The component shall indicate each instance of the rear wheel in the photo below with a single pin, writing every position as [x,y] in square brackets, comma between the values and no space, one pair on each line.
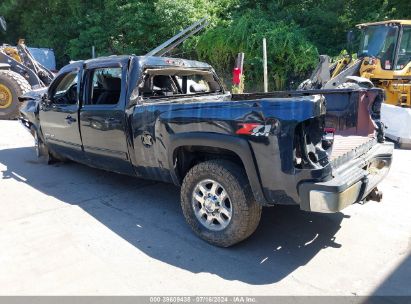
[12,85]
[218,203]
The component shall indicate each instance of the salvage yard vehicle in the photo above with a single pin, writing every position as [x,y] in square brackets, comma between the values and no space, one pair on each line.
[171,120]
[20,72]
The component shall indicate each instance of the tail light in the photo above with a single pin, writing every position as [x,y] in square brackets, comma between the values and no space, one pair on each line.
[310,142]
[328,138]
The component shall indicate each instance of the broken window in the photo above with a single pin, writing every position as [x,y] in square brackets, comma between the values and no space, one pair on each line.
[168,82]
[66,90]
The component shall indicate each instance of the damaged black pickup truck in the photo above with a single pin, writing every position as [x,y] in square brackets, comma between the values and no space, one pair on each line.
[171,120]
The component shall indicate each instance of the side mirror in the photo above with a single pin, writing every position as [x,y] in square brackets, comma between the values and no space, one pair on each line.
[3,24]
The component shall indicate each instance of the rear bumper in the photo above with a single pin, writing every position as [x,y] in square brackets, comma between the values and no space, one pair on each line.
[351,182]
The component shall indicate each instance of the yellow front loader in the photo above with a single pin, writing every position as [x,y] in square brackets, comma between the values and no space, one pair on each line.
[386,48]
[383,60]
[19,73]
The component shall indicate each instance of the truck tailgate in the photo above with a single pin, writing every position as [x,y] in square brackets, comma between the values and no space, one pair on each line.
[349,147]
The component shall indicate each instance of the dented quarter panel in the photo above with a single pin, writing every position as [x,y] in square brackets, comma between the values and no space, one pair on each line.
[272,154]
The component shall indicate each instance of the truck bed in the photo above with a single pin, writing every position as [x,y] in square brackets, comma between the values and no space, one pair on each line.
[349,147]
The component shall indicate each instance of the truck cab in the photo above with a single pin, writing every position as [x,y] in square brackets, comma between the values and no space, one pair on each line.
[386,47]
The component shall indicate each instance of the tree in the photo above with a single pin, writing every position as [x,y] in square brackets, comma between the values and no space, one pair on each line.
[295,29]
[290,55]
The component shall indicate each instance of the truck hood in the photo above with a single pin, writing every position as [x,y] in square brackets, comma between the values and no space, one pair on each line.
[33,95]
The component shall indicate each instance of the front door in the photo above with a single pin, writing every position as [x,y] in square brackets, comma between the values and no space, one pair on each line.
[102,118]
[59,115]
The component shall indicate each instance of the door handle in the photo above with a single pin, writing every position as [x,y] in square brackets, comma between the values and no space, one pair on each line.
[70,119]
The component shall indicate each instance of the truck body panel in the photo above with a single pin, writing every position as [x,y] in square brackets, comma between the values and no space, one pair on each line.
[278,138]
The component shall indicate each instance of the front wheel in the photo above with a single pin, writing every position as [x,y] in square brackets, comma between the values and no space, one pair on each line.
[218,203]
[39,147]
[42,151]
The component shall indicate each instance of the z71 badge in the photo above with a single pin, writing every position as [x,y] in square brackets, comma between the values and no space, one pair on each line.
[254,129]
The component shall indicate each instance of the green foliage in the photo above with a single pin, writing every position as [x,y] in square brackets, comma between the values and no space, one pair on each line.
[295,29]
[289,53]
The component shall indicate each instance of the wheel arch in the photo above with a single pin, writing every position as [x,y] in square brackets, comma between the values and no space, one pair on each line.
[188,149]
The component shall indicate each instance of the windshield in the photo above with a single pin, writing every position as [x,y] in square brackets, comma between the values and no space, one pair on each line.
[404,51]
[44,56]
[379,41]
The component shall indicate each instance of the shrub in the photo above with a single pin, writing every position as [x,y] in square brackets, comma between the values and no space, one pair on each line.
[290,55]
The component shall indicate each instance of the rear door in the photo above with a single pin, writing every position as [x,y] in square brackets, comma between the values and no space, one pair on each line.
[102,116]
[59,114]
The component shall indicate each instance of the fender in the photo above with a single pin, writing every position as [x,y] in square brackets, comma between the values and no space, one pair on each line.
[234,144]
[31,127]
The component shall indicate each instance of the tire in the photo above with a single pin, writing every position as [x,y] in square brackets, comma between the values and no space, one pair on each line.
[239,217]
[42,151]
[12,85]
